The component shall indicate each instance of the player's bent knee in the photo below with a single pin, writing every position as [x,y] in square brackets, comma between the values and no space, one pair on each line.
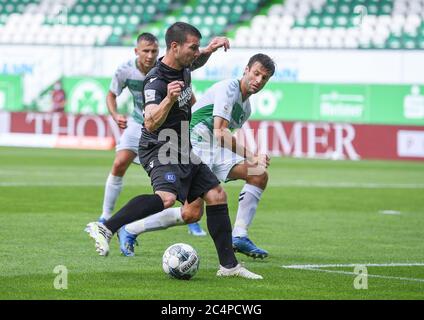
[258,180]
[216,195]
[167,198]
[191,214]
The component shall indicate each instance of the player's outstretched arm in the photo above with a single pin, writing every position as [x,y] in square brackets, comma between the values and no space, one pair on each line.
[215,44]
[112,106]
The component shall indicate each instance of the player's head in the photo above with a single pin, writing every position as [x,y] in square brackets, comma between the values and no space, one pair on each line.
[147,51]
[183,42]
[258,71]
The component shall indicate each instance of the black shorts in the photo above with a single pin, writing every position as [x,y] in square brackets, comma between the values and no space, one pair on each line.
[187,181]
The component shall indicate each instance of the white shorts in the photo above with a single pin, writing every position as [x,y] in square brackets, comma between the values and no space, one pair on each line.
[220,160]
[130,138]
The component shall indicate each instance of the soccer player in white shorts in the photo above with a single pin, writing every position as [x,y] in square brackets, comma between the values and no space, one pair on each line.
[224,107]
[131,75]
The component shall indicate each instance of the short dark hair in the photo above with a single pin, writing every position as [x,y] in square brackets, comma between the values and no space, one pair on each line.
[264,60]
[146,36]
[178,33]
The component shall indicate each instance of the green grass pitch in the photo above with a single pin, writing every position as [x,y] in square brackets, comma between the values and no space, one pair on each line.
[325,217]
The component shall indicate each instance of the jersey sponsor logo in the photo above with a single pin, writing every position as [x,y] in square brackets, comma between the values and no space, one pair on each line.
[170,177]
[184,98]
[149,95]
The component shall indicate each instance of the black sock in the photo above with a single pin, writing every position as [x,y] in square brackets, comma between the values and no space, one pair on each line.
[137,208]
[219,226]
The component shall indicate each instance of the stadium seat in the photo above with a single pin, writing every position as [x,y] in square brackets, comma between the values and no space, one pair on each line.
[381,25]
[386,24]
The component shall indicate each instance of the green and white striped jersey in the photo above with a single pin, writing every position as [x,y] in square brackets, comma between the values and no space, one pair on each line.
[224,100]
[128,75]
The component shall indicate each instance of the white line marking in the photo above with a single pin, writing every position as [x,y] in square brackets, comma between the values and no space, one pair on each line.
[314,266]
[390,212]
[317,267]
[368,275]
[366,185]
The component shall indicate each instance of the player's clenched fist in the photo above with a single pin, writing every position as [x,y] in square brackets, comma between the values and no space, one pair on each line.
[174,90]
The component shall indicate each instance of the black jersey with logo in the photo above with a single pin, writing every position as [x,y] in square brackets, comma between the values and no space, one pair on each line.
[155,89]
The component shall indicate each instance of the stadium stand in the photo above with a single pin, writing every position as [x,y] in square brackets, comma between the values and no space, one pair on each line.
[77,22]
[352,24]
[338,24]
[211,17]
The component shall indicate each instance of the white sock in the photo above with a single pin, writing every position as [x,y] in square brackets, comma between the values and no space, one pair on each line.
[112,190]
[248,202]
[159,221]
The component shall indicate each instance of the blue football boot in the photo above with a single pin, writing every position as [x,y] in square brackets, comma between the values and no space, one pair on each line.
[196,230]
[127,241]
[246,246]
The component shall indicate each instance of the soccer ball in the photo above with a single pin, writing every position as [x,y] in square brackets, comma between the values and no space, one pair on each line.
[180,261]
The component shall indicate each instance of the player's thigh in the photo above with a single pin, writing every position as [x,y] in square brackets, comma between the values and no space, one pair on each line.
[246,171]
[130,138]
[202,181]
[224,161]
[215,196]
[203,149]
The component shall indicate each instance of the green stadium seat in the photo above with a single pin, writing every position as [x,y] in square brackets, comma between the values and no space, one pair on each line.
[73,19]
[126,9]
[114,9]
[122,19]
[118,31]
[385,9]
[97,19]
[139,9]
[109,20]
[344,9]
[78,9]
[394,43]
[409,42]
[313,20]
[91,9]
[327,21]
[341,21]
[86,19]
[103,9]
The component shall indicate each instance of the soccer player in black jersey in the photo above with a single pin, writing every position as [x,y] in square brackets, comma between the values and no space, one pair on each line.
[175,173]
